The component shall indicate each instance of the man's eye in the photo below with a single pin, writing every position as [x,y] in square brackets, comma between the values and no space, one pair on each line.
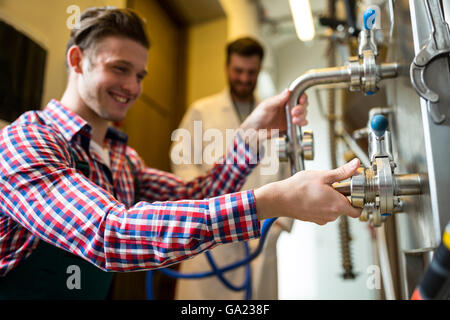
[120,69]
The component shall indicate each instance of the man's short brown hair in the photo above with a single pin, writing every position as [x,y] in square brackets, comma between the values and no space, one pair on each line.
[245,47]
[98,23]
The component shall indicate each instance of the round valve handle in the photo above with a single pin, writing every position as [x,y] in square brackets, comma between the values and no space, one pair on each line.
[369,17]
[379,124]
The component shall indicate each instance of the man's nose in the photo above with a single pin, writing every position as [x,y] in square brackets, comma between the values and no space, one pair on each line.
[131,86]
[245,77]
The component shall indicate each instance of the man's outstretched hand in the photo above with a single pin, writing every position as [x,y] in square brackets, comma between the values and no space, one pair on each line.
[307,196]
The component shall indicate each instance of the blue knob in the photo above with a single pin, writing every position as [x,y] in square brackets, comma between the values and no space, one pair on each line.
[369,17]
[379,124]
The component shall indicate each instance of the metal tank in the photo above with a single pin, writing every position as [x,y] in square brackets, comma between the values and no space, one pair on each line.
[404,185]
[421,132]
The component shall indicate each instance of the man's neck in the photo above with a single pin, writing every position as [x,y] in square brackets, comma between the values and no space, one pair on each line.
[99,126]
[238,99]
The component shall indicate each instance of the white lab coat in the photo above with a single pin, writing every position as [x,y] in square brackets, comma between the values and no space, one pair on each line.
[218,112]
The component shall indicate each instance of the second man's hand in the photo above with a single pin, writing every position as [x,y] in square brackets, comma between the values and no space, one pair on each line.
[270,114]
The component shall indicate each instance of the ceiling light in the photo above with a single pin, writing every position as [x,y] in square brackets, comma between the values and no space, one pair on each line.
[303,20]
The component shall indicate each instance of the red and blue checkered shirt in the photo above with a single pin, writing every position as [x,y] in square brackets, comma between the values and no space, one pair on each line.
[44,197]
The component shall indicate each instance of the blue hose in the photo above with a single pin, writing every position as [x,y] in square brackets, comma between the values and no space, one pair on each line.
[220,275]
[248,276]
[219,271]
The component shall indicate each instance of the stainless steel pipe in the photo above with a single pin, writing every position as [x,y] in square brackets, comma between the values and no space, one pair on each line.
[408,184]
[353,73]
[404,185]
[343,187]
[298,87]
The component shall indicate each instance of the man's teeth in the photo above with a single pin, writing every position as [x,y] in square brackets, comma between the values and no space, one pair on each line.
[119,98]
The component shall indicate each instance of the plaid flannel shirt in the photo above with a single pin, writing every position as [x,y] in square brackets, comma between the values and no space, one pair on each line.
[44,197]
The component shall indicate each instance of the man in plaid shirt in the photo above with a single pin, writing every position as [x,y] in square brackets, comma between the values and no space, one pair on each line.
[68,181]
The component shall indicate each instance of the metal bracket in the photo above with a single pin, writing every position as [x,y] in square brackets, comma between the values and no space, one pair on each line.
[437,45]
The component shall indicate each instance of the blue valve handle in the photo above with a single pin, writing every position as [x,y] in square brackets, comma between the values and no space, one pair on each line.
[369,17]
[379,124]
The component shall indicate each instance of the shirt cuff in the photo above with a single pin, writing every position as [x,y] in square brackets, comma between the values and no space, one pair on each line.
[233,217]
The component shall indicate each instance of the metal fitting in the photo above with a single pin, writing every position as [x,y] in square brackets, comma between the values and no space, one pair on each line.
[380,147]
[360,74]
[377,193]
[307,145]
[369,78]
[367,42]
[283,149]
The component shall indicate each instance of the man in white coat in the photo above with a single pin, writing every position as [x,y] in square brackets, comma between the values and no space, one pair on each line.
[222,111]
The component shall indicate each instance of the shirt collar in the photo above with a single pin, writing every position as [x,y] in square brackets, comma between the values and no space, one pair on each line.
[70,124]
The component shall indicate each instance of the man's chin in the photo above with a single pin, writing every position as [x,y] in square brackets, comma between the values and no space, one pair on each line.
[243,94]
[118,119]
[114,117]
[116,114]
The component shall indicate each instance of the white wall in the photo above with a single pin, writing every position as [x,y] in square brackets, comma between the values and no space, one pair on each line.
[309,259]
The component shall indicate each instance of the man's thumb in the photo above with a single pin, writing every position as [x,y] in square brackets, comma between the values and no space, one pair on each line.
[281,97]
[343,172]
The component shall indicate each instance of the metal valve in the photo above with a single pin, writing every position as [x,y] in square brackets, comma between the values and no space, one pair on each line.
[365,62]
[361,73]
[306,149]
[307,145]
[377,189]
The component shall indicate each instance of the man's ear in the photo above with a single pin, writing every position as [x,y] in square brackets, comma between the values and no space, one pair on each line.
[74,59]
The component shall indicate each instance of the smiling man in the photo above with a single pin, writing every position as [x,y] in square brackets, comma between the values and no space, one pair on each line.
[106,68]
[79,204]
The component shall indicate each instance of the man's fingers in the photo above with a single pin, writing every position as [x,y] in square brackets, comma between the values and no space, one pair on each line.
[298,111]
[349,210]
[278,101]
[298,114]
[343,172]
[355,212]
[345,207]
[303,99]
[281,98]
[301,122]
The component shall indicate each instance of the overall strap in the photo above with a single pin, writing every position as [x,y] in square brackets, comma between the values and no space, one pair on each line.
[137,184]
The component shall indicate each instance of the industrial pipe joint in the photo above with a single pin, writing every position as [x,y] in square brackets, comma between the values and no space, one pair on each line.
[361,73]
[377,189]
